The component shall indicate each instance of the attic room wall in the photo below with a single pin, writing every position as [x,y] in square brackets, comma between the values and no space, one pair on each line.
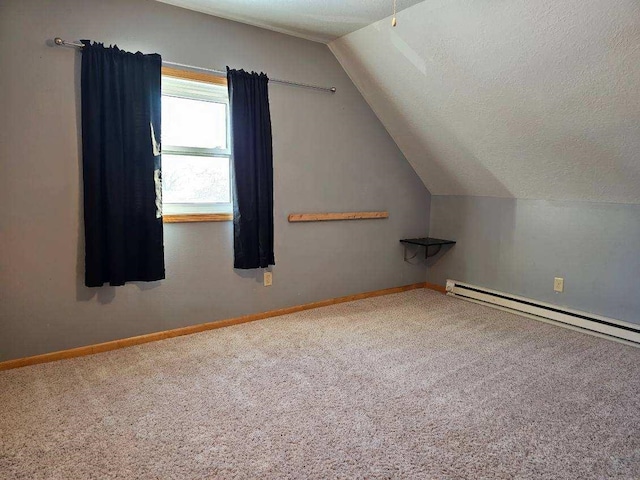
[523,120]
[330,154]
[519,245]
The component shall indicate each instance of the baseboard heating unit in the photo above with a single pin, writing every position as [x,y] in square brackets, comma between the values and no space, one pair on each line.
[624,332]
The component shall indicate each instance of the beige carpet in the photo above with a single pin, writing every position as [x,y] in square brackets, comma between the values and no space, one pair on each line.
[413,385]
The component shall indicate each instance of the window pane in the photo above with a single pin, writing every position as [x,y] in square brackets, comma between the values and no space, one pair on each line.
[190,179]
[193,123]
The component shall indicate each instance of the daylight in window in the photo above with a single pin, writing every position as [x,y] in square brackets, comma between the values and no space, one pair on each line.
[195,147]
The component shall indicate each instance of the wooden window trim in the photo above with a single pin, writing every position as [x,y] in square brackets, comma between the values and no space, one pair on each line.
[198,217]
[191,75]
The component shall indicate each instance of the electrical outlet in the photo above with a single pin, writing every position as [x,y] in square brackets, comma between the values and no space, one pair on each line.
[268,279]
[558,284]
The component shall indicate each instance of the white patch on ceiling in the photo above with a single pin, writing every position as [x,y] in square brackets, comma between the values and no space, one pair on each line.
[317,20]
[518,98]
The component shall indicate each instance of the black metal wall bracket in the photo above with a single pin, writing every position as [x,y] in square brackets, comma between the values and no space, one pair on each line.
[426,242]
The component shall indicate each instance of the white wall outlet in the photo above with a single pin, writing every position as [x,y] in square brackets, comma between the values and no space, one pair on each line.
[558,284]
[268,279]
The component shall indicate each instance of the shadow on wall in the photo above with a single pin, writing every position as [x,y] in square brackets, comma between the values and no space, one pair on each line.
[484,230]
[435,258]
[416,255]
[437,167]
[257,274]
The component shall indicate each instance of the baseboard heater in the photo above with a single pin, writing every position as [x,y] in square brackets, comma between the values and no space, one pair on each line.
[625,332]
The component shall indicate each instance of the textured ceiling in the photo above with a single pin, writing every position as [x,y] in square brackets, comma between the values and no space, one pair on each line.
[518,98]
[318,20]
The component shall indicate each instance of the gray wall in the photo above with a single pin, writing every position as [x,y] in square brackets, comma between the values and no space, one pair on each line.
[330,154]
[519,246]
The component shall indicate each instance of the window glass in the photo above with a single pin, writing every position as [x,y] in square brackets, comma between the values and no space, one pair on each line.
[195,146]
[194,123]
[195,179]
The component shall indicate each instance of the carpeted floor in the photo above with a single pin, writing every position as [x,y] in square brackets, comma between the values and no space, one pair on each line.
[413,385]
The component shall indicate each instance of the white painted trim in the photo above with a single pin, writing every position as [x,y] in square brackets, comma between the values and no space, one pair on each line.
[487,297]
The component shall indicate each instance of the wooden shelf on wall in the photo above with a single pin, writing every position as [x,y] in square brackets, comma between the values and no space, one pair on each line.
[325,217]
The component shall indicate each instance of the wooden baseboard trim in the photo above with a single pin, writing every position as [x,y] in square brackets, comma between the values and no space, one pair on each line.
[176,332]
[437,288]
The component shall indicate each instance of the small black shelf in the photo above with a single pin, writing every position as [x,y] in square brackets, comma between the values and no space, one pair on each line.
[427,242]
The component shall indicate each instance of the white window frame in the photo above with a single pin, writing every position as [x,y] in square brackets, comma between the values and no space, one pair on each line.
[197,86]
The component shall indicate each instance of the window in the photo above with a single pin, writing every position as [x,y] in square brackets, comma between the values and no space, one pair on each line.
[195,146]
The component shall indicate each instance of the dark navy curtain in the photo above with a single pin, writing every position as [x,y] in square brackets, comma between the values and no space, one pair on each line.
[252,159]
[121,166]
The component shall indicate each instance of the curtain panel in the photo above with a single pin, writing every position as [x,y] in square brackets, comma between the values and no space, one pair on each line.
[121,161]
[252,171]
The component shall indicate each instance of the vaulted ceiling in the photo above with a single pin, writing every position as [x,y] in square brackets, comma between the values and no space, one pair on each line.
[318,20]
[518,98]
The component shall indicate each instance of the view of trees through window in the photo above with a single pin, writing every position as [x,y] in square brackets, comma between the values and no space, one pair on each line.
[190,179]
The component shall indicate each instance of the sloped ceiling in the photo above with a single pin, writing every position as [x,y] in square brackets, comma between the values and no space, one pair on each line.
[519,98]
[318,20]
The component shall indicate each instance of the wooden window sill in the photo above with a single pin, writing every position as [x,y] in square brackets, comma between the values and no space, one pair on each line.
[198,217]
